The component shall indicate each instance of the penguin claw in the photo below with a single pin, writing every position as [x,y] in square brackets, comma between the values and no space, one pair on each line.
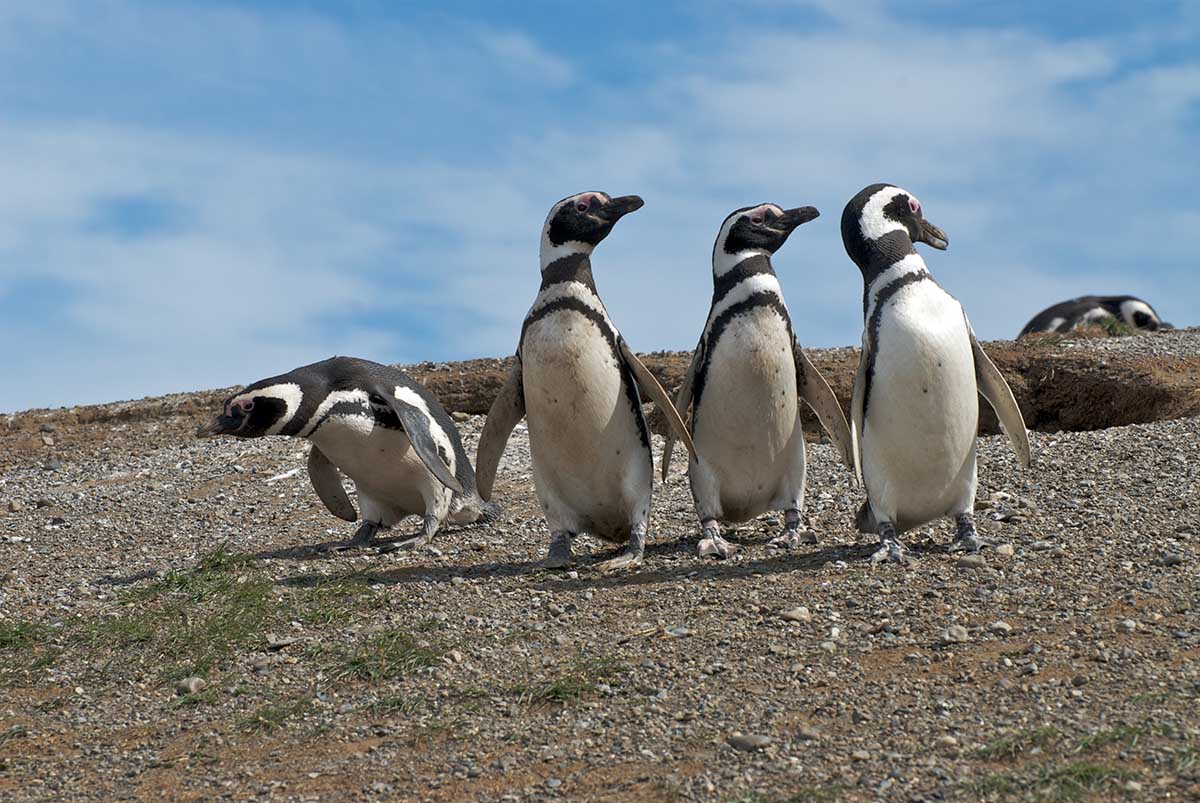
[892,551]
[626,560]
[970,544]
[792,539]
[414,543]
[715,546]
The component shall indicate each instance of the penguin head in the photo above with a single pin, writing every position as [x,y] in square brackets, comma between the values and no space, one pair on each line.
[758,229]
[1136,313]
[577,224]
[883,212]
[264,408]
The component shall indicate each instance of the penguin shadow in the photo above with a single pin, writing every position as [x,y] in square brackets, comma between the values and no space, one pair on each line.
[411,575]
[328,550]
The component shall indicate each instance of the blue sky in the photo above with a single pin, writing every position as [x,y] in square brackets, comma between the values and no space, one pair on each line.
[201,194]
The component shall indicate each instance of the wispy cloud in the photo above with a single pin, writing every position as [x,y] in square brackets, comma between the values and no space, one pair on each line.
[200,194]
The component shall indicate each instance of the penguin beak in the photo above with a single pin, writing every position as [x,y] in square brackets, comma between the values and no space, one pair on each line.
[221,425]
[618,208]
[932,235]
[789,220]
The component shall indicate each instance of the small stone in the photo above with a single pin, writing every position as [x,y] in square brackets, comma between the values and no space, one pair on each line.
[278,643]
[1030,668]
[678,631]
[971,562]
[1041,546]
[749,742]
[47,440]
[1132,786]
[955,634]
[460,416]
[860,755]
[192,685]
[553,783]
[947,743]
[800,614]
[1005,550]
[1170,559]
[1000,628]
[828,646]
[47,427]
[1057,552]
[458,580]
[858,717]
[53,465]
[809,734]
[1079,680]
[16,506]
[1128,625]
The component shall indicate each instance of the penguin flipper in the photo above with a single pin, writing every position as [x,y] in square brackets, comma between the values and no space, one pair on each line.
[416,427]
[683,400]
[999,395]
[506,412]
[654,390]
[819,396]
[856,408]
[327,482]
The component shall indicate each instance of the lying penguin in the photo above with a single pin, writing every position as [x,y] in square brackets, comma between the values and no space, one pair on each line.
[1066,315]
[377,426]
[915,409]
[745,383]
[579,385]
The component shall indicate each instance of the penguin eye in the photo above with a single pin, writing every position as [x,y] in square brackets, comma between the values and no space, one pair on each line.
[581,206]
[757,220]
[246,405]
[914,205]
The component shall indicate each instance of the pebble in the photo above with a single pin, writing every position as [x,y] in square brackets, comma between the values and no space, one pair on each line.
[1005,550]
[47,427]
[16,506]
[553,783]
[1133,786]
[460,416]
[749,742]
[1170,559]
[1000,628]
[192,685]
[1128,625]
[1030,668]
[458,580]
[971,562]
[955,634]
[860,755]
[800,614]
[1079,680]
[947,743]
[809,733]
[1041,546]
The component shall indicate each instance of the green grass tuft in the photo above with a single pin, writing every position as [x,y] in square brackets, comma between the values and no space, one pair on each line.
[1011,746]
[386,655]
[273,716]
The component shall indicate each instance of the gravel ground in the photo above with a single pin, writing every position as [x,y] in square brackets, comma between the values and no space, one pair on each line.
[166,631]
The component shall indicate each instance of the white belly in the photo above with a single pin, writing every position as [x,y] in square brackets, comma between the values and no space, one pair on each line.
[746,427]
[592,472]
[382,464]
[923,409]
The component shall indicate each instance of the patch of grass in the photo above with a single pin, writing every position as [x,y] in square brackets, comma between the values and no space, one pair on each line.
[335,600]
[1011,746]
[1055,783]
[272,716]
[1127,735]
[13,732]
[579,681]
[403,704]
[1114,328]
[26,649]
[188,622]
[390,654]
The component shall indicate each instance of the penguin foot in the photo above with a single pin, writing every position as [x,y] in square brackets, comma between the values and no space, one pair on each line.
[970,543]
[792,538]
[891,550]
[416,542]
[362,537]
[629,559]
[715,546]
[559,556]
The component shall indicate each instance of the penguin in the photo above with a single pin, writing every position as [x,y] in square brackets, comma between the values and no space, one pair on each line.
[915,408]
[1066,315]
[580,386]
[374,424]
[744,385]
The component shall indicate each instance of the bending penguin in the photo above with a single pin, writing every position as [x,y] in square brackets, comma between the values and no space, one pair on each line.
[579,385]
[915,409]
[745,382]
[376,425]
[1066,315]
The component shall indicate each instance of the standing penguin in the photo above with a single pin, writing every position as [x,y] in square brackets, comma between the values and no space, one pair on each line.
[915,410]
[380,428]
[579,384]
[746,380]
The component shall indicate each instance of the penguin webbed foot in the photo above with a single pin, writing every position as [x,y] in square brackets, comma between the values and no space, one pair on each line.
[792,536]
[631,557]
[967,537]
[713,544]
[890,548]
[559,556]
[429,528]
[363,536]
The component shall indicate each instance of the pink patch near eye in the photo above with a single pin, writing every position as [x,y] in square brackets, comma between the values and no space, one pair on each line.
[914,205]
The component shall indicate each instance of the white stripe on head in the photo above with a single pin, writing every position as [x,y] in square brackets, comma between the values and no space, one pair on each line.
[287,392]
[758,283]
[1132,306]
[723,261]
[327,405]
[549,252]
[410,396]
[872,222]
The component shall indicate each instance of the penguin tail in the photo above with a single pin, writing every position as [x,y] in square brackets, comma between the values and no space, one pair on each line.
[865,520]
